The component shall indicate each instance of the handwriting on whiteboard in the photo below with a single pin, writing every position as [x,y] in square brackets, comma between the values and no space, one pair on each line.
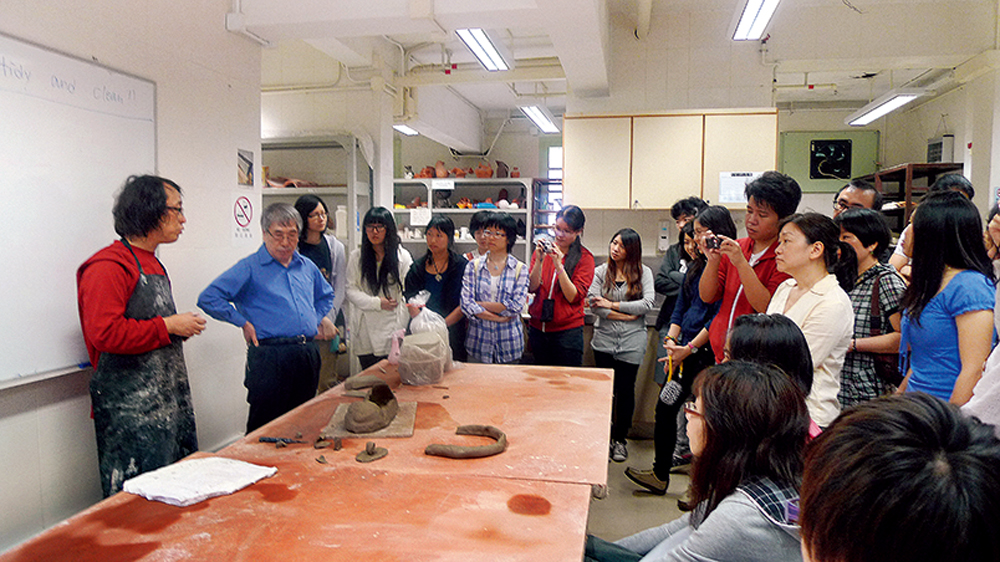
[36,72]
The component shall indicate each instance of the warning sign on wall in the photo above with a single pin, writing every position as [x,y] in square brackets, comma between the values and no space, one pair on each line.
[242,219]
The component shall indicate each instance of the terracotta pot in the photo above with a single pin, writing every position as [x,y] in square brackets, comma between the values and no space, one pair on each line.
[440,170]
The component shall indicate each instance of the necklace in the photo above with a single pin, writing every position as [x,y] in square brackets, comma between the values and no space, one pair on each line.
[438,271]
[496,267]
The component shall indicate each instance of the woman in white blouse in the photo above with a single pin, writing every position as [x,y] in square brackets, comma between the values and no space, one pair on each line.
[375,274]
[823,269]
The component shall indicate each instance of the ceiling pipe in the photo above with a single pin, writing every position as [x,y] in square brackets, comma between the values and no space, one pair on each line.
[645,14]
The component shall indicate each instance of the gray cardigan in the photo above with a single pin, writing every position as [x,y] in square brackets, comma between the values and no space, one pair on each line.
[625,340]
[738,530]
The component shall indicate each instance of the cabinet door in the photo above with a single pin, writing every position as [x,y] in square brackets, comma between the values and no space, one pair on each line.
[666,159]
[738,143]
[596,157]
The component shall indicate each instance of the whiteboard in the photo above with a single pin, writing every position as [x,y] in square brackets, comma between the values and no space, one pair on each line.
[71,131]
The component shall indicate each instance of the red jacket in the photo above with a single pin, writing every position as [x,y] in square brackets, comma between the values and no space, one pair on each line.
[567,315]
[104,285]
[729,280]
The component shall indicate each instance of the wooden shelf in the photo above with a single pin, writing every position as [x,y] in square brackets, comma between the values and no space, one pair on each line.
[903,176]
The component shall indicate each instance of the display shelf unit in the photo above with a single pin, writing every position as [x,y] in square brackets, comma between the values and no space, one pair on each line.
[442,194]
[335,160]
[897,185]
[548,200]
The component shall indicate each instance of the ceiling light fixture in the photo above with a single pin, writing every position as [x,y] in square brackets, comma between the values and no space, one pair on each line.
[756,15]
[887,103]
[406,130]
[479,43]
[541,117]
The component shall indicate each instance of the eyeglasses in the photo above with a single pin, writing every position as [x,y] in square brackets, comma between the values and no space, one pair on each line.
[375,227]
[178,210]
[560,232]
[291,236]
[494,234]
[691,409]
[844,205]
[319,215]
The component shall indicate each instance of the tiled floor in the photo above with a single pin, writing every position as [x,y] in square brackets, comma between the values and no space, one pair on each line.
[628,508]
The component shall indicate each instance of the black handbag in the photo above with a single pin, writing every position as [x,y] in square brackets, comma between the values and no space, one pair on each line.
[886,364]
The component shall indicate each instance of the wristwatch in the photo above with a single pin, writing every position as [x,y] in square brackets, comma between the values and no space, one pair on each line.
[692,348]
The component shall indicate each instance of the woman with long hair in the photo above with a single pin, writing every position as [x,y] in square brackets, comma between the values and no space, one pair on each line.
[879,288]
[687,347]
[948,308]
[440,272]
[822,268]
[375,274]
[561,273]
[747,427]
[620,295]
[324,250]
[494,291]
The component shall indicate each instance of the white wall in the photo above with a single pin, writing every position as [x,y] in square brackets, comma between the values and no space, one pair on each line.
[208,106]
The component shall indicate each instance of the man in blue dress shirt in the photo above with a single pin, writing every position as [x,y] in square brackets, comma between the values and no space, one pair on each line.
[280,300]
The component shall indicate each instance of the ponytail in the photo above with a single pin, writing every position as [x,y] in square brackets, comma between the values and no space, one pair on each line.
[845,268]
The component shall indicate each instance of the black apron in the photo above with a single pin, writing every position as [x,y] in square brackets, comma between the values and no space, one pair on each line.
[142,403]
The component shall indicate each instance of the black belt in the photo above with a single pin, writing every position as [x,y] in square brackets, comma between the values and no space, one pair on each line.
[297,340]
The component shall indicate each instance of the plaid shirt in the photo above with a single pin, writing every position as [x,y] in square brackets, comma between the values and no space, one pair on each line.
[487,341]
[858,381]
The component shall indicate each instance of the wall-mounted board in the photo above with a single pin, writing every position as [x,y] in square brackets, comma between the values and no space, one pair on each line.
[71,131]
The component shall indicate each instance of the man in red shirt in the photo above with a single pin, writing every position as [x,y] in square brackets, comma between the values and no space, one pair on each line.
[742,272]
[140,394]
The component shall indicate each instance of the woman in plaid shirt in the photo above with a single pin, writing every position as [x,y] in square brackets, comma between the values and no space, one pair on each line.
[494,291]
[865,230]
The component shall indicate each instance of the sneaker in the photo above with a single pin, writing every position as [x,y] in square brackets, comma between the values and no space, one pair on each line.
[681,464]
[648,480]
[684,502]
[619,452]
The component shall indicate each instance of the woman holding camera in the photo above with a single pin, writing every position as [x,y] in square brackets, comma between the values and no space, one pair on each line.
[621,294]
[561,273]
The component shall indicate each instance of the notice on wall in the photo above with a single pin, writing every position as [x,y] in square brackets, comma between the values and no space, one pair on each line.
[242,217]
[733,184]
[420,216]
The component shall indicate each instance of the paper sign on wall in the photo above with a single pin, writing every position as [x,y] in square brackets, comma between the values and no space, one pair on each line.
[420,216]
[733,184]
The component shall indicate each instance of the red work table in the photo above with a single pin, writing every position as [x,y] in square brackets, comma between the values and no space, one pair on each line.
[528,503]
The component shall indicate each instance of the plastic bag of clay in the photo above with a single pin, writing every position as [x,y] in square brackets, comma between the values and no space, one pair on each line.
[423,358]
[396,339]
[427,320]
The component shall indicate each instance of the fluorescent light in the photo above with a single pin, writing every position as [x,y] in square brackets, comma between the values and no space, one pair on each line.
[756,15]
[481,46]
[883,105]
[406,130]
[541,117]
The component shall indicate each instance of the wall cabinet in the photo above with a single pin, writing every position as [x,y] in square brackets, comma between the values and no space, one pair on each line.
[666,159]
[596,162]
[738,143]
[651,161]
[442,197]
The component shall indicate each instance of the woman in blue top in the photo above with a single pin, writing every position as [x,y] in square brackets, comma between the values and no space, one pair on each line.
[686,344]
[948,307]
